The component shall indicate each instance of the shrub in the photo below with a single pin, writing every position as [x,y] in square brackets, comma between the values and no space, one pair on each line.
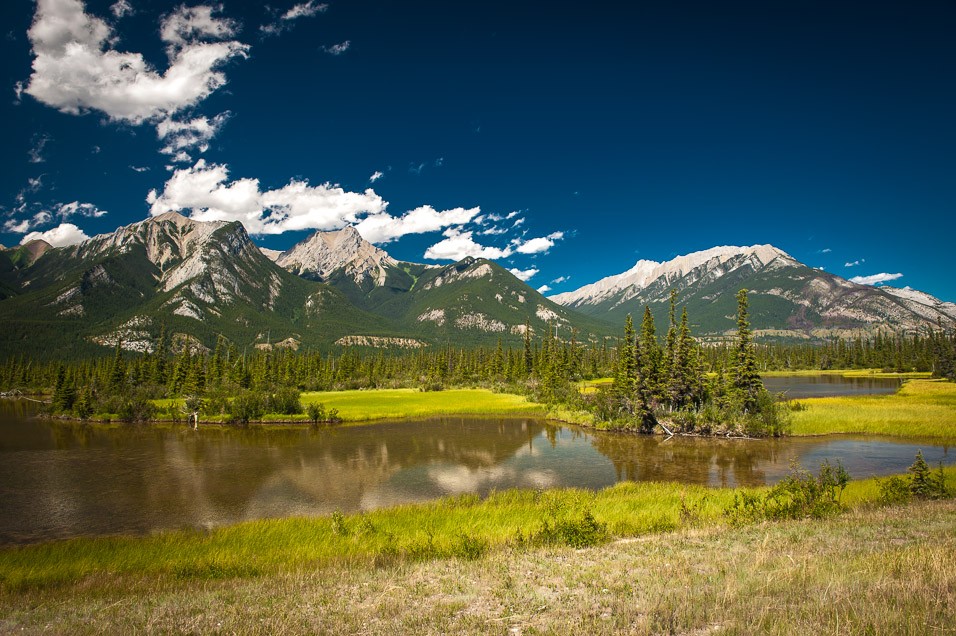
[316,412]
[925,484]
[285,401]
[799,495]
[246,406]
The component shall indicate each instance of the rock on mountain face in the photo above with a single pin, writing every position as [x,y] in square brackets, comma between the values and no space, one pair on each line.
[326,252]
[200,279]
[787,298]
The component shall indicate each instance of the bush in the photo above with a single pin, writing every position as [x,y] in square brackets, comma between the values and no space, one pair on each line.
[316,412]
[925,484]
[894,490]
[247,406]
[578,533]
[800,495]
[285,401]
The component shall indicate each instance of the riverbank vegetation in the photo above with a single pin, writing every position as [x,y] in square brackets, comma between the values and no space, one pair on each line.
[668,383]
[534,540]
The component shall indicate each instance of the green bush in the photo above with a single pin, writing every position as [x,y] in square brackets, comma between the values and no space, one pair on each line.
[247,406]
[285,401]
[799,495]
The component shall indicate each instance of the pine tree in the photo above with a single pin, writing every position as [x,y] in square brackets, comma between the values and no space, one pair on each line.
[745,379]
[625,378]
[650,371]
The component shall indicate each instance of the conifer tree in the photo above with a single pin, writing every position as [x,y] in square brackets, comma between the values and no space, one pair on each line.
[650,371]
[745,380]
[625,378]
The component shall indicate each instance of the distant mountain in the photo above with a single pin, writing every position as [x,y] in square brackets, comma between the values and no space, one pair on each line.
[787,298]
[205,279]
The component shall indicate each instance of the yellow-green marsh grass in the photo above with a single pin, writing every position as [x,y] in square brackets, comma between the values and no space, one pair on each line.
[921,408]
[439,529]
[357,406]
[377,404]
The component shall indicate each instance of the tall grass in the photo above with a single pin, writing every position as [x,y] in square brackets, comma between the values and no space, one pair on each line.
[357,406]
[921,408]
[464,526]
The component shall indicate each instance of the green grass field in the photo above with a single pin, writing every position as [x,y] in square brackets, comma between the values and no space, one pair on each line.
[359,406]
[921,408]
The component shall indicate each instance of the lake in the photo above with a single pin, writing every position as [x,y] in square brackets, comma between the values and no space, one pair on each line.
[61,480]
[802,386]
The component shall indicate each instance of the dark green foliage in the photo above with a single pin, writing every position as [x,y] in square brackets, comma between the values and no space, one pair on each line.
[745,380]
[579,532]
[316,412]
[925,484]
[285,401]
[247,406]
[800,495]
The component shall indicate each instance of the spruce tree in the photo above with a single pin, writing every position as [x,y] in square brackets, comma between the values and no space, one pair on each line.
[745,379]
[625,378]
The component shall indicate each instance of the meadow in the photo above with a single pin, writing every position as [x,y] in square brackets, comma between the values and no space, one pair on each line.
[921,408]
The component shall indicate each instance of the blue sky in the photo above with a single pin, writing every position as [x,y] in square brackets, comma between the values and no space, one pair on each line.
[564,140]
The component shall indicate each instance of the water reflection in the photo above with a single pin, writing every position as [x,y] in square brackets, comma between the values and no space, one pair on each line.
[63,479]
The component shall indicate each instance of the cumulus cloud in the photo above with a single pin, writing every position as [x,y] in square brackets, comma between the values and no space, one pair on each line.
[378,174]
[205,190]
[76,69]
[458,244]
[194,134]
[337,49]
[17,227]
[384,228]
[875,279]
[544,289]
[560,279]
[523,274]
[60,236]
[854,263]
[284,23]
[539,245]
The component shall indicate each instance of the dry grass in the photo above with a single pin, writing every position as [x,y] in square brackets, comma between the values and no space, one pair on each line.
[870,571]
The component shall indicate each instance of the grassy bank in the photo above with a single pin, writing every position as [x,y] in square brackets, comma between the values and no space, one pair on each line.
[921,408]
[377,404]
[359,406]
[868,571]
[460,526]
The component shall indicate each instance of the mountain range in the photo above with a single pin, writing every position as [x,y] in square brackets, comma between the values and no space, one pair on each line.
[203,280]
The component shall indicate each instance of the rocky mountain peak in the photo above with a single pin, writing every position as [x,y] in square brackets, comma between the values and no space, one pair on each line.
[646,272]
[326,252]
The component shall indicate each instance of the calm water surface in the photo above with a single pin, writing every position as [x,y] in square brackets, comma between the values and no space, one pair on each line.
[63,479]
[796,387]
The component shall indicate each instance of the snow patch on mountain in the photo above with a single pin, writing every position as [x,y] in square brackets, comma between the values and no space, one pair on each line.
[646,272]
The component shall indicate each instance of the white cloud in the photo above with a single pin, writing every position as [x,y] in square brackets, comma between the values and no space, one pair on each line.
[194,134]
[17,227]
[185,25]
[544,289]
[75,68]
[560,279]
[494,231]
[60,236]
[378,174]
[383,227]
[458,244]
[39,145]
[284,23]
[539,245]
[853,263]
[121,9]
[523,274]
[825,250]
[205,191]
[875,279]
[337,49]
[305,10]
[17,92]
[66,210]
[139,168]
